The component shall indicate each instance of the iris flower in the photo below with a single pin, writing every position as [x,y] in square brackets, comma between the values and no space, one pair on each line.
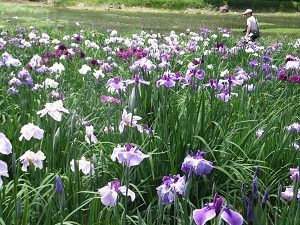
[129,155]
[34,158]
[85,166]
[5,145]
[105,98]
[167,80]
[129,120]
[30,130]
[137,80]
[90,137]
[294,173]
[211,210]
[225,96]
[54,109]
[197,164]
[110,192]
[288,194]
[171,184]
[259,132]
[3,171]
[5,148]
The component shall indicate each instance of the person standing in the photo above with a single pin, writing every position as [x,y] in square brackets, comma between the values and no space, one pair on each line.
[252,25]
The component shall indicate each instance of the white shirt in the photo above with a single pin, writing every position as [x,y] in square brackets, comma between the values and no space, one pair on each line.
[252,22]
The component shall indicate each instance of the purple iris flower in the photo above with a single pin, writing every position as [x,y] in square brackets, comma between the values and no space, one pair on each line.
[105,98]
[294,173]
[213,84]
[58,185]
[249,210]
[23,73]
[13,91]
[16,81]
[105,67]
[255,191]
[225,96]
[282,76]
[78,38]
[254,63]
[197,164]
[294,79]
[171,184]
[137,80]
[115,82]
[266,59]
[264,199]
[213,209]
[167,80]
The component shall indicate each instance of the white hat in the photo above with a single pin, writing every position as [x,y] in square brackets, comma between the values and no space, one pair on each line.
[247,11]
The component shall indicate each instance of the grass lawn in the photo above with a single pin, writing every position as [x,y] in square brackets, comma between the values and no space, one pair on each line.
[131,20]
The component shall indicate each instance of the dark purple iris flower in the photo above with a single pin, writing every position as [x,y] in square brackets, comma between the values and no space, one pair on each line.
[62,47]
[81,54]
[59,185]
[249,211]
[282,76]
[220,45]
[266,59]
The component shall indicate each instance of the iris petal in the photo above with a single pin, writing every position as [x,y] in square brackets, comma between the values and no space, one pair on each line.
[201,216]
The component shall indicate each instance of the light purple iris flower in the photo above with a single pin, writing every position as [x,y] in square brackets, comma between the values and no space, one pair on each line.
[115,83]
[259,132]
[144,64]
[36,159]
[294,173]
[54,109]
[3,171]
[295,145]
[211,210]
[89,136]
[110,192]
[225,96]
[129,155]
[5,145]
[213,84]
[5,148]
[171,184]
[295,126]
[197,164]
[288,194]
[167,80]
[137,80]
[30,130]
[233,81]
[129,120]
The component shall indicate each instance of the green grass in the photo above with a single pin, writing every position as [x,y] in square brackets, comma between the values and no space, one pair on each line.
[135,20]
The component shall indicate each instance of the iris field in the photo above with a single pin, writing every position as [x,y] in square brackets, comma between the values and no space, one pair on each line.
[104,126]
